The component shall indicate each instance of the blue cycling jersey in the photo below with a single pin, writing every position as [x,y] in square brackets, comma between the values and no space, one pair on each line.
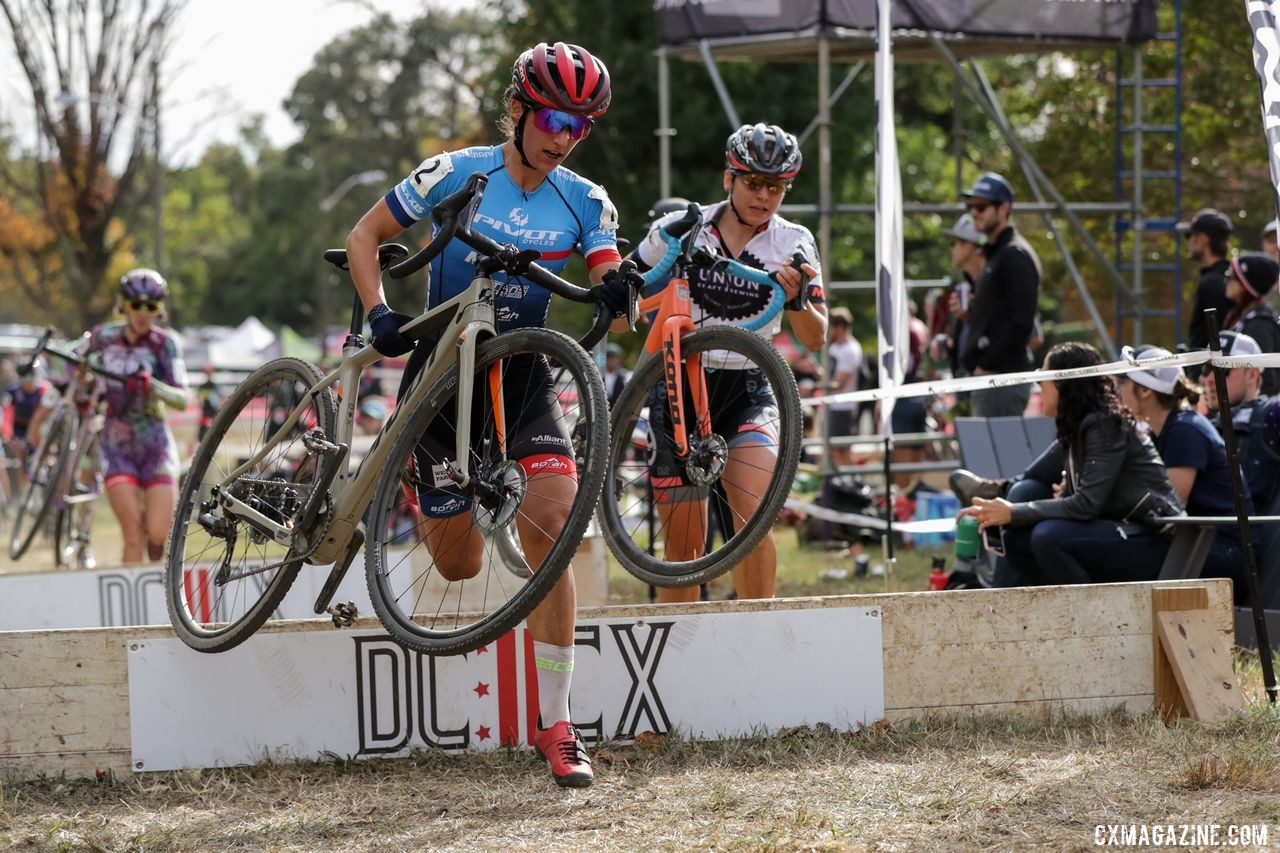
[566,213]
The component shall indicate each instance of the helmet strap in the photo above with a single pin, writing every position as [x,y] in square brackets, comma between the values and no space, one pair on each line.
[734,208]
[518,139]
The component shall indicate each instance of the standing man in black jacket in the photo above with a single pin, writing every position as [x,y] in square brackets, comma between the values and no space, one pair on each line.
[1005,298]
[1207,234]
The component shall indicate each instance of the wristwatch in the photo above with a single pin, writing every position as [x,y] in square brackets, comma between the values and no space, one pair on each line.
[378,312]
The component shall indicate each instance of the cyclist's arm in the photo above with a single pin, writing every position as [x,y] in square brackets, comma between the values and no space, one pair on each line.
[376,227]
[810,322]
[169,386]
[34,426]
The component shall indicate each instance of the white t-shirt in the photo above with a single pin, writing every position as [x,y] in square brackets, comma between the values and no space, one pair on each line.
[845,357]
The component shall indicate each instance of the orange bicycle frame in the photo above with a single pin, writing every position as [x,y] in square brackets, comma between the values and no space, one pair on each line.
[673,321]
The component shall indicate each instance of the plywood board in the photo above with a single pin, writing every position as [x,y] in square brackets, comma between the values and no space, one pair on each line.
[1168,697]
[1202,665]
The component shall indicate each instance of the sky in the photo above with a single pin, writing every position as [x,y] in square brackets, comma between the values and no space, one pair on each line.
[233,58]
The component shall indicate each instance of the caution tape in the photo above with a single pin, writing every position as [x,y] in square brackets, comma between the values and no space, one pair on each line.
[929,525]
[985,382]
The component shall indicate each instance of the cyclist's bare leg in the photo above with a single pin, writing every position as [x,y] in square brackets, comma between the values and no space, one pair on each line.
[456,546]
[746,476]
[126,502]
[160,499]
[684,529]
[542,515]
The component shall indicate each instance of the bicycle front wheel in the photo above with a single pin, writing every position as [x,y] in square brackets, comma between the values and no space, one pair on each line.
[659,512]
[43,476]
[224,576]
[440,572]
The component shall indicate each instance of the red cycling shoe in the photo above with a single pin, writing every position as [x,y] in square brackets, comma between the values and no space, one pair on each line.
[562,746]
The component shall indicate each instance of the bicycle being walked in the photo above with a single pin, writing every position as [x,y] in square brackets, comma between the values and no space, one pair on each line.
[139,451]
[761,161]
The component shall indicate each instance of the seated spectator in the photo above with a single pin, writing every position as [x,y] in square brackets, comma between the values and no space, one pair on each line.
[1249,410]
[1249,279]
[1101,523]
[1194,455]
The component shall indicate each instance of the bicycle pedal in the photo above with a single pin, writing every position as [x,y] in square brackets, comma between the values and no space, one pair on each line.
[317,443]
[344,613]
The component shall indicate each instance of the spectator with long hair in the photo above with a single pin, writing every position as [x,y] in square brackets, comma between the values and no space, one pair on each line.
[1194,455]
[1102,523]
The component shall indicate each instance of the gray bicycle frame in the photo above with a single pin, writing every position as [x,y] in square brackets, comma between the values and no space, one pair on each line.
[462,322]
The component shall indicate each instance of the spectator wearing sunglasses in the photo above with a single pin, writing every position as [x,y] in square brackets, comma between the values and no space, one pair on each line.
[760,162]
[532,201]
[1002,317]
[138,448]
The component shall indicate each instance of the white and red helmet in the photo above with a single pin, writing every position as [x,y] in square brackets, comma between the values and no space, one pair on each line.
[764,149]
[563,77]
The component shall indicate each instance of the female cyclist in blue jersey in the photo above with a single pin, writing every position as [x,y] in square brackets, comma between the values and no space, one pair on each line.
[760,163]
[138,448]
[532,201]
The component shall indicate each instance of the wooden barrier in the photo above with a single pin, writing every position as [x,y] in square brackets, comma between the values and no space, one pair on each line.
[64,696]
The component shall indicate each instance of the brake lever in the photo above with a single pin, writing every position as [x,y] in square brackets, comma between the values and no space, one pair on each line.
[628,270]
[798,261]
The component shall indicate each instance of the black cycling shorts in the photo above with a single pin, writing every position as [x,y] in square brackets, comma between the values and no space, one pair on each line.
[537,435]
[743,412]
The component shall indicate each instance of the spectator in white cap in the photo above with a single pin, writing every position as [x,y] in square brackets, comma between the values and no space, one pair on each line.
[1249,408]
[1193,452]
[1249,279]
[1269,246]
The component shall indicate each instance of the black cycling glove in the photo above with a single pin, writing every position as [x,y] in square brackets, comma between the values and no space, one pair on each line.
[615,290]
[386,333]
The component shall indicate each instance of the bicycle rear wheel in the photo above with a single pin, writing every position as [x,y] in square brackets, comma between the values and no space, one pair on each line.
[74,522]
[442,584]
[743,481]
[223,576]
[37,494]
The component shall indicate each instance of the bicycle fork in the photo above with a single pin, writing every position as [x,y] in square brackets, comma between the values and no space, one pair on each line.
[675,379]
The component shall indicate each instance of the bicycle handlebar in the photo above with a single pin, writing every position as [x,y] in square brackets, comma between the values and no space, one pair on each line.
[680,236]
[453,215]
[42,345]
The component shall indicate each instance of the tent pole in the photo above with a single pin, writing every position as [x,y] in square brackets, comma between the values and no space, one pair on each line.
[824,150]
[717,81]
[664,131]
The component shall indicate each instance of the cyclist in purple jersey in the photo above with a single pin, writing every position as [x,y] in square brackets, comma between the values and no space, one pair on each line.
[138,448]
[534,202]
[761,161]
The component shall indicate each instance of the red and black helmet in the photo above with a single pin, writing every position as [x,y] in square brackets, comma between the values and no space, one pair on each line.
[765,149]
[562,77]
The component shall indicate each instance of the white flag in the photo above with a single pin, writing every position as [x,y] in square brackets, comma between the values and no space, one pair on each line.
[891,299]
[1266,59]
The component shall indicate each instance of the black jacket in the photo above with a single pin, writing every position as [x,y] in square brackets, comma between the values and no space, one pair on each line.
[1211,292]
[1004,306]
[1260,324]
[1260,465]
[1110,475]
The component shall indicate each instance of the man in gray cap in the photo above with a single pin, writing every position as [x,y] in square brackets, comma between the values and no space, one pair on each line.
[1002,317]
[1207,234]
[949,330]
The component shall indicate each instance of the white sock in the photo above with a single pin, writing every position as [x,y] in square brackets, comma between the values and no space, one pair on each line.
[555,671]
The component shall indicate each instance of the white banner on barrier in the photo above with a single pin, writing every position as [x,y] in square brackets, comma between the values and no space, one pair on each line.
[299,695]
[132,596]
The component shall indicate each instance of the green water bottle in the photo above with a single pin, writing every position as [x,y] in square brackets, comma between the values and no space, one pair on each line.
[967,547]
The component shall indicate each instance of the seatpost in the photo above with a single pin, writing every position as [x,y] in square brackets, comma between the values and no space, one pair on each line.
[1242,517]
[357,316]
